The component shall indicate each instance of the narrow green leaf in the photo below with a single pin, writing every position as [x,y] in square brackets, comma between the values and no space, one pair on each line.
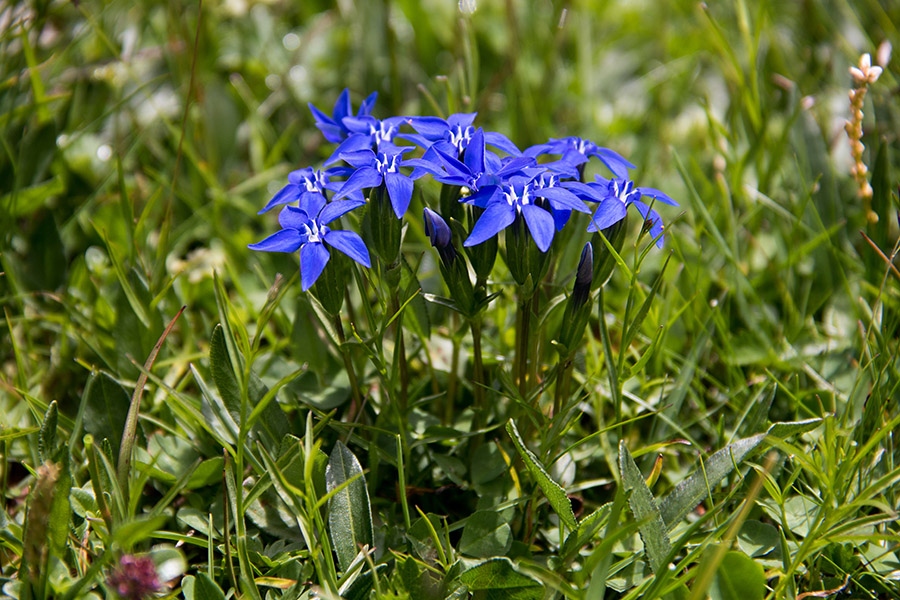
[691,492]
[650,522]
[60,510]
[47,440]
[498,578]
[106,409]
[486,534]
[136,305]
[556,495]
[417,309]
[349,512]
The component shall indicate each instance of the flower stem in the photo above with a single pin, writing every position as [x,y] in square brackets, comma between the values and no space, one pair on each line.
[400,351]
[450,397]
[348,365]
[523,327]
[563,379]
[478,374]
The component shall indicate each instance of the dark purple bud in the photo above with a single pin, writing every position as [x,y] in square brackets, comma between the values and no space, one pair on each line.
[439,233]
[583,276]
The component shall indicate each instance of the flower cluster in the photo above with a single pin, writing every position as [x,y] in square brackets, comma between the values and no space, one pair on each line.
[506,189]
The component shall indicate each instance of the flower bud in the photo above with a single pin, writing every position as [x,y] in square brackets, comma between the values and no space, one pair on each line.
[439,233]
[578,309]
[454,270]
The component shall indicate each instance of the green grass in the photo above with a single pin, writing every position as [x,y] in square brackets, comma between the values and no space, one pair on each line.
[140,139]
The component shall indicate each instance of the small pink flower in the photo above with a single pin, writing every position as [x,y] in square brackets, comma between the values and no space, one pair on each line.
[135,578]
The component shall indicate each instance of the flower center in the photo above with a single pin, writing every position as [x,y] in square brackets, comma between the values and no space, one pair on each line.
[515,200]
[382,133]
[385,163]
[315,232]
[316,183]
[623,189]
[460,137]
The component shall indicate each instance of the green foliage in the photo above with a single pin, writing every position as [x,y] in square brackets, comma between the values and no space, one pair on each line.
[725,428]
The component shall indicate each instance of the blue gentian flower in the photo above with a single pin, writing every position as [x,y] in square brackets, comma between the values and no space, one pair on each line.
[479,167]
[306,229]
[615,197]
[309,181]
[522,197]
[452,136]
[583,149]
[373,170]
[333,127]
[367,133]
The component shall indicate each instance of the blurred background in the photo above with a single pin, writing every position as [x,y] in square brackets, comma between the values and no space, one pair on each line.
[140,139]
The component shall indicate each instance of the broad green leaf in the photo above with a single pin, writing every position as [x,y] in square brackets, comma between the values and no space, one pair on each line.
[738,577]
[138,530]
[107,407]
[758,539]
[691,492]
[554,492]
[349,512]
[361,587]
[586,530]
[497,579]
[47,439]
[651,525]
[201,587]
[486,534]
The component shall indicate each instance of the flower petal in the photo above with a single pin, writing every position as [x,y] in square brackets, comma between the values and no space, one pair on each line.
[285,195]
[359,158]
[610,212]
[313,258]
[286,240]
[364,178]
[540,224]
[342,106]
[501,142]
[292,218]
[432,128]
[367,105]
[354,143]
[337,209]
[562,198]
[350,244]
[656,195]
[461,119]
[496,217]
[400,189]
[656,224]
[474,156]
[311,203]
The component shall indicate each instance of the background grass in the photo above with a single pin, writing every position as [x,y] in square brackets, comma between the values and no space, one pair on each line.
[140,138]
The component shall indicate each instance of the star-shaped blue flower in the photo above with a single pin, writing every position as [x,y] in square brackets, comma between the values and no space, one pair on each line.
[366,133]
[333,127]
[583,149]
[309,181]
[373,170]
[452,136]
[522,197]
[616,195]
[306,229]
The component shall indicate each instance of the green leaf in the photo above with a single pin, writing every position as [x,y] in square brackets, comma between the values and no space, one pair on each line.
[486,534]
[497,579]
[758,539]
[651,525]
[47,440]
[60,511]
[361,587]
[273,420]
[416,310]
[554,492]
[201,587]
[692,491]
[107,407]
[349,512]
[738,577]
[138,530]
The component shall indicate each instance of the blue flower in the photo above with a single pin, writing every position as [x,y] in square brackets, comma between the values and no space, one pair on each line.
[522,196]
[373,170]
[580,150]
[615,195]
[366,133]
[452,136]
[333,127]
[438,232]
[305,182]
[306,228]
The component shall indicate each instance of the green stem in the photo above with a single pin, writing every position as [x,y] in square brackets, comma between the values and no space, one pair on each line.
[478,374]
[563,379]
[607,354]
[401,351]
[451,378]
[523,325]
[348,365]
